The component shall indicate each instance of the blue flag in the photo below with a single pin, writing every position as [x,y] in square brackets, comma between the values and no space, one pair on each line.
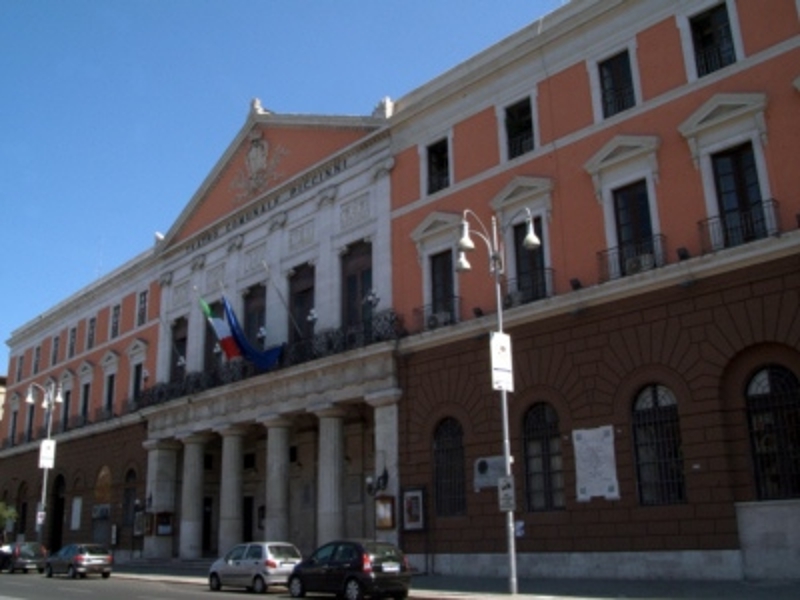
[263,359]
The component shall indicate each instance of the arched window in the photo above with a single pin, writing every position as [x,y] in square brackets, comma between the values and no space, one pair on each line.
[773,416]
[657,443]
[448,465]
[544,465]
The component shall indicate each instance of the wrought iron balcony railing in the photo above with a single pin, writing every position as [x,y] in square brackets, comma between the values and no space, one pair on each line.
[740,227]
[630,259]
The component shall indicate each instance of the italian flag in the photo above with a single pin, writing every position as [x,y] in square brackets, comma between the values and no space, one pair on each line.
[223,332]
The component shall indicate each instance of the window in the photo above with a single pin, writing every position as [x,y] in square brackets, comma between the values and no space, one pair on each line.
[255,313]
[301,303]
[712,40]
[29,422]
[519,128]
[65,409]
[616,84]
[532,283]
[108,405]
[86,393]
[141,309]
[625,172]
[741,213]
[20,366]
[438,166]
[442,309]
[90,333]
[773,417]
[448,469]
[55,349]
[12,426]
[37,359]
[115,311]
[180,333]
[657,444]
[635,244]
[138,380]
[356,285]
[73,334]
[544,466]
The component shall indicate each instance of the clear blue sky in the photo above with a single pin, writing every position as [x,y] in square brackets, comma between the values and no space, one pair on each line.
[112,112]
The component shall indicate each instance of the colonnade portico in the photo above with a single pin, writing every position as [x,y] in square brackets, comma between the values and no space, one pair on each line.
[167,493]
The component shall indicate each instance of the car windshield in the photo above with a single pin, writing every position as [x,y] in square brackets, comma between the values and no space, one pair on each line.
[90,549]
[284,551]
[30,549]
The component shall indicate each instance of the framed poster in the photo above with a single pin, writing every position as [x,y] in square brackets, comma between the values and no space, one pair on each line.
[384,512]
[414,509]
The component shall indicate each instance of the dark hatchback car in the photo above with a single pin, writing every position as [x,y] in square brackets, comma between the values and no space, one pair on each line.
[23,556]
[80,560]
[353,569]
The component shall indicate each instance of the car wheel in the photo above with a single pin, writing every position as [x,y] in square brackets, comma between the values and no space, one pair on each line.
[41,570]
[214,583]
[401,596]
[352,590]
[296,588]
[106,575]
[72,573]
[48,571]
[259,587]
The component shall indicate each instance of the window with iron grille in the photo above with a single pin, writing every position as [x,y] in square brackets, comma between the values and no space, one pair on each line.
[657,443]
[29,422]
[773,417]
[519,128]
[212,352]
[73,336]
[531,275]
[90,333]
[438,166]
[448,469]
[356,284]
[301,303]
[713,42]
[616,82]
[111,384]
[86,394]
[544,467]
[37,357]
[442,286]
[636,251]
[180,333]
[20,367]
[741,210]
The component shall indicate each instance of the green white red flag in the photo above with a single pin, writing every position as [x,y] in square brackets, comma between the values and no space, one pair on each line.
[222,331]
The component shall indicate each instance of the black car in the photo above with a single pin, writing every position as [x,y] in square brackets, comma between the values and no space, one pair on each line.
[353,569]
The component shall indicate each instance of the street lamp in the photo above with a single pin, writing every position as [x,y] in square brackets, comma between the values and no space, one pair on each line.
[502,374]
[47,450]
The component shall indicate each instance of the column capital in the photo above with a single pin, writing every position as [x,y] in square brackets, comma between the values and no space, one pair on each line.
[385,397]
[161,444]
[194,437]
[274,421]
[327,410]
[231,430]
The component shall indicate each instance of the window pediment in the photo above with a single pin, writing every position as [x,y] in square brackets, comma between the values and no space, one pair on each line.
[722,111]
[435,226]
[525,191]
[620,150]
[137,349]
[110,360]
[85,370]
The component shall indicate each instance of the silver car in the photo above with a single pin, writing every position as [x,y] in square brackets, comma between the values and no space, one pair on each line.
[255,566]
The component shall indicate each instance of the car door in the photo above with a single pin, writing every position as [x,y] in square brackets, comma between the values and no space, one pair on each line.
[230,573]
[344,561]
[315,574]
[252,562]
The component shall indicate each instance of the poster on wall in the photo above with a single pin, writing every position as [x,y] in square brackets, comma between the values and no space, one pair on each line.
[595,463]
[414,509]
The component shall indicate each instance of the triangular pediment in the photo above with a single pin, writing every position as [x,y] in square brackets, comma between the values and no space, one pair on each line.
[721,109]
[435,224]
[521,189]
[271,157]
[621,149]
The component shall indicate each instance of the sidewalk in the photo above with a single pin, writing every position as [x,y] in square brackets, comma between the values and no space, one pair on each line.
[442,587]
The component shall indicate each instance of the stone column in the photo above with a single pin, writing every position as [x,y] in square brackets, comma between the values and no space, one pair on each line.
[385,406]
[276,526]
[230,503]
[162,473]
[191,529]
[330,476]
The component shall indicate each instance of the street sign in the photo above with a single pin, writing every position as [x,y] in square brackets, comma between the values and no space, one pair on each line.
[47,454]
[505,493]
[502,373]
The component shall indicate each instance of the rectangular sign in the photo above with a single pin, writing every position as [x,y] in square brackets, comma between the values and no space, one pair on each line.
[47,454]
[502,373]
[505,493]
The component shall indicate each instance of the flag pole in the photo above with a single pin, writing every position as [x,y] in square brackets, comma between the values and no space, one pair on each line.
[283,300]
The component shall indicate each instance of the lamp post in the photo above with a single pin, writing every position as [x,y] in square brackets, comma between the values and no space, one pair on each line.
[47,450]
[502,373]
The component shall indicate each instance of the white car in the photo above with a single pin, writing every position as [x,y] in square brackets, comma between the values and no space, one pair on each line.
[255,566]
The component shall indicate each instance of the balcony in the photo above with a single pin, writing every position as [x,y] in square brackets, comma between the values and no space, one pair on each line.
[524,290]
[434,316]
[739,227]
[631,259]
